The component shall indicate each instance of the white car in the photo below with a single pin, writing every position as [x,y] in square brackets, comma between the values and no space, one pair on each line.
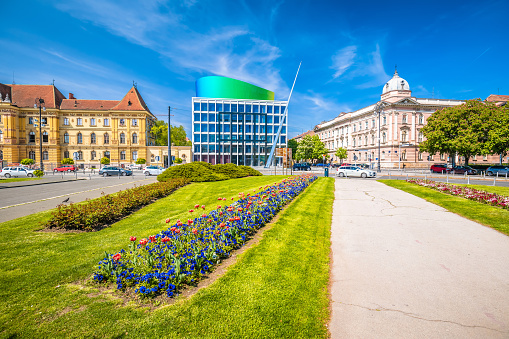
[153,170]
[134,167]
[354,171]
[17,172]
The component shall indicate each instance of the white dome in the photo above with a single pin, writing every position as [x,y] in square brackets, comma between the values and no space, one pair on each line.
[396,83]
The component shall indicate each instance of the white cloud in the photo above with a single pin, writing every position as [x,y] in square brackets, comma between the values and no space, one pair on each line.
[373,70]
[343,60]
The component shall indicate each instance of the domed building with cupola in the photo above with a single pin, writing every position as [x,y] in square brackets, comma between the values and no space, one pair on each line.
[396,120]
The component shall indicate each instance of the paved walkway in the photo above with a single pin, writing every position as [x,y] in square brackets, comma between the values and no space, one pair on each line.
[406,268]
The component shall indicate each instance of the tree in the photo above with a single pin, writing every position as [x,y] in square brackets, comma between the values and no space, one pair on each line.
[305,149]
[178,134]
[498,135]
[319,148]
[462,129]
[67,161]
[293,144]
[341,153]
[105,161]
[27,161]
[140,161]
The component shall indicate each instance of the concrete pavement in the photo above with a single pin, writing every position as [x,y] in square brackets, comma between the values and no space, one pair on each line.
[406,268]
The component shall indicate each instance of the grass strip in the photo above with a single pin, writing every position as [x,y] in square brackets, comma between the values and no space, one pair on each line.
[276,289]
[491,216]
[2,181]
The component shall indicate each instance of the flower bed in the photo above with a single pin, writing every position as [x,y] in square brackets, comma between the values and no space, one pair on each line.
[109,208]
[465,192]
[185,252]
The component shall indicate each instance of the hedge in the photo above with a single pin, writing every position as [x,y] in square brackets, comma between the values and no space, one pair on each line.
[202,171]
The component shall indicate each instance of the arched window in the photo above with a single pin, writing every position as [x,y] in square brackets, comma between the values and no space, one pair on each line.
[106,138]
[45,155]
[93,138]
[366,140]
[31,137]
[135,138]
[45,136]
[66,154]
[122,138]
[31,155]
[122,155]
[79,138]
[403,155]
[66,138]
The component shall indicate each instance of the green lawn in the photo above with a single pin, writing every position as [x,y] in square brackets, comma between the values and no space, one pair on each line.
[17,179]
[277,288]
[493,217]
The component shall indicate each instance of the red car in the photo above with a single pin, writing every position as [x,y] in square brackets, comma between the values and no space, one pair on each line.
[66,168]
[439,168]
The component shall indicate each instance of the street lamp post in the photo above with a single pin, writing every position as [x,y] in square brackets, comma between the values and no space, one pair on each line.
[39,102]
[378,111]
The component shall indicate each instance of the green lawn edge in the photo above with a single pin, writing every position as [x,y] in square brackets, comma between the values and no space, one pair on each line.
[17,180]
[494,217]
[243,303]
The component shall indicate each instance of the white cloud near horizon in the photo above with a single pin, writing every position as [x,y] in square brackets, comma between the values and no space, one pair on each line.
[343,60]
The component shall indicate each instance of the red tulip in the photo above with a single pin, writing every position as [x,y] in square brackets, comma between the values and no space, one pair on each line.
[152,238]
[117,257]
[195,231]
[167,220]
[143,242]
[203,206]
[132,239]
[197,205]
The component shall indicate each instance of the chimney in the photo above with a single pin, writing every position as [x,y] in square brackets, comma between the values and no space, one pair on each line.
[71,96]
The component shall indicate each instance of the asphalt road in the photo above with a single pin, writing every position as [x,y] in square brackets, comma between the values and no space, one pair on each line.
[405,268]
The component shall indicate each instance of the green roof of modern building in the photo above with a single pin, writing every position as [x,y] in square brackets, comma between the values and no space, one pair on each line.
[228,88]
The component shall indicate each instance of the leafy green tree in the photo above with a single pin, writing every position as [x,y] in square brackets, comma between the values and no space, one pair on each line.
[27,161]
[305,149]
[293,144]
[178,134]
[341,153]
[461,129]
[105,161]
[319,148]
[141,161]
[67,161]
[498,135]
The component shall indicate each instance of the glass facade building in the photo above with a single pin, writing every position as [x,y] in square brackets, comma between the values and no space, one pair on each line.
[238,125]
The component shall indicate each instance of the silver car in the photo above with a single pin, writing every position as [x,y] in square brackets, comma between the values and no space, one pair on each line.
[17,172]
[354,171]
[153,170]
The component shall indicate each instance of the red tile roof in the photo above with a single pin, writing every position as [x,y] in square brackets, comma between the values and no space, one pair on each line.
[94,105]
[132,101]
[25,95]
[311,133]
[497,98]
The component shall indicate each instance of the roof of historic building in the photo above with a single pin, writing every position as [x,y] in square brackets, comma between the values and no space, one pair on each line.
[93,105]
[396,84]
[25,95]
[300,136]
[132,101]
[500,100]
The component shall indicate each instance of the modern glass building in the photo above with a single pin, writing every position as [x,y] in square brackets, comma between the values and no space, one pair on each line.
[235,122]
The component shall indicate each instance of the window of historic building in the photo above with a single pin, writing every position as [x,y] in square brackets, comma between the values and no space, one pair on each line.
[1,135]
[106,122]
[354,127]
[421,119]
[44,121]
[382,157]
[106,138]
[93,138]
[384,137]
[419,156]
[122,122]
[66,121]
[80,155]
[366,140]
[31,137]
[420,136]
[372,139]
[30,120]
[485,157]
[66,154]
[404,118]
[92,121]
[122,155]
[107,154]
[353,142]
[45,136]
[366,124]
[122,138]
[474,158]
[384,121]
[79,138]
[92,155]
[135,138]
[403,155]
[134,122]
[404,136]
[360,126]
[45,155]
[442,157]
[79,121]
[135,155]
[31,155]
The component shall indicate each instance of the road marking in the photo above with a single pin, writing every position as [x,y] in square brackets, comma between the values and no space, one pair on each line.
[64,195]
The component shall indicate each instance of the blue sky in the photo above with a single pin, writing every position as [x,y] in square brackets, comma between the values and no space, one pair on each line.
[96,48]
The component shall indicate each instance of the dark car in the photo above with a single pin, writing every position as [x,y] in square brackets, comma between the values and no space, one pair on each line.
[66,168]
[439,168]
[501,170]
[303,166]
[321,165]
[110,170]
[463,169]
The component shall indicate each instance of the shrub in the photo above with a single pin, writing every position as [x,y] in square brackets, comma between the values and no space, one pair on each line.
[178,160]
[195,171]
[250,171]
[67,161]
[230,170]
[141,161]
[105,161]
[38,173]
[109,208]
[27,161]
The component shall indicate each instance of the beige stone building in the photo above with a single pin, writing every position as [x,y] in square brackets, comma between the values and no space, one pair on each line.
[85,130]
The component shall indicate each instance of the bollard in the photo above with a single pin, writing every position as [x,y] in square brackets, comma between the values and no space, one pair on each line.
[494,181]
[407,177]
[447,176]
[425,177]
[468,180]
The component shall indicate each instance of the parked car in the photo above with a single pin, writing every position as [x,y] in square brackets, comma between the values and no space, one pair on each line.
[17,172]
[345,164]
[134,167]
[355,171]
[439,168]
[111,170]
[66,168]
[463,169]
[303,166]
[501,170]
[153,170]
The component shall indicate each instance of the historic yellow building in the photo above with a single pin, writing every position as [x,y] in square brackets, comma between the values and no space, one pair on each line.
[85,130]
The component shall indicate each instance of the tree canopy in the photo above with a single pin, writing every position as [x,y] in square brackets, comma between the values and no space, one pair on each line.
[310,147]
[341,153]
[293,144]
[178,134]
[473,128]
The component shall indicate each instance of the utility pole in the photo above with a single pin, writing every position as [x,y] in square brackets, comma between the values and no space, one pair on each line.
[169,137]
